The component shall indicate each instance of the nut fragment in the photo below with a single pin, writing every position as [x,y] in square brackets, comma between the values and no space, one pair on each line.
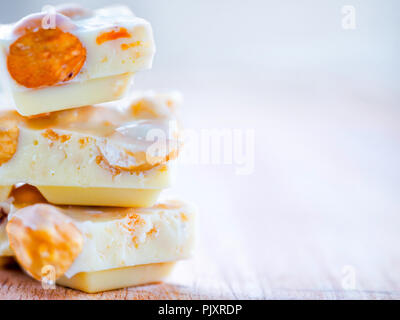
[26,195]
[9,133]
[116,158]
[42,236]
[45,58]
[53,136]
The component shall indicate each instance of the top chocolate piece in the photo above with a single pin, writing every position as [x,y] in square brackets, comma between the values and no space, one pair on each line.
[70,56]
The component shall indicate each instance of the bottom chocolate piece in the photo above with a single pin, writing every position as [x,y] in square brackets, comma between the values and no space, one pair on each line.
[95,248]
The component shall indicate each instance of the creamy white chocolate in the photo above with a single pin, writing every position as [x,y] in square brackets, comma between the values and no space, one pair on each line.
[109,64]
[92,282]
[41,236]
[94,155]
[119,237]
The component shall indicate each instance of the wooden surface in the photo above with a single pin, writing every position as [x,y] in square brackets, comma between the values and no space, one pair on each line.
[322,201]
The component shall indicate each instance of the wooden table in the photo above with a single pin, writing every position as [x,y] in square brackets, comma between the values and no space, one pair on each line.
[318,218]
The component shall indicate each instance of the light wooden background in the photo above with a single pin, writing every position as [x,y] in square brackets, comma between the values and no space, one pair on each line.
[323,199]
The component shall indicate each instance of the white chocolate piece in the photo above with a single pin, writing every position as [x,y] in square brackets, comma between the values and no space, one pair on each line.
[108,68]
[121,237]
[77,156]
[116,238]
[92,282]
[41,236]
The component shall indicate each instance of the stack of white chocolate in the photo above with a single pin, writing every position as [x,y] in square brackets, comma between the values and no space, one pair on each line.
[80,183]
